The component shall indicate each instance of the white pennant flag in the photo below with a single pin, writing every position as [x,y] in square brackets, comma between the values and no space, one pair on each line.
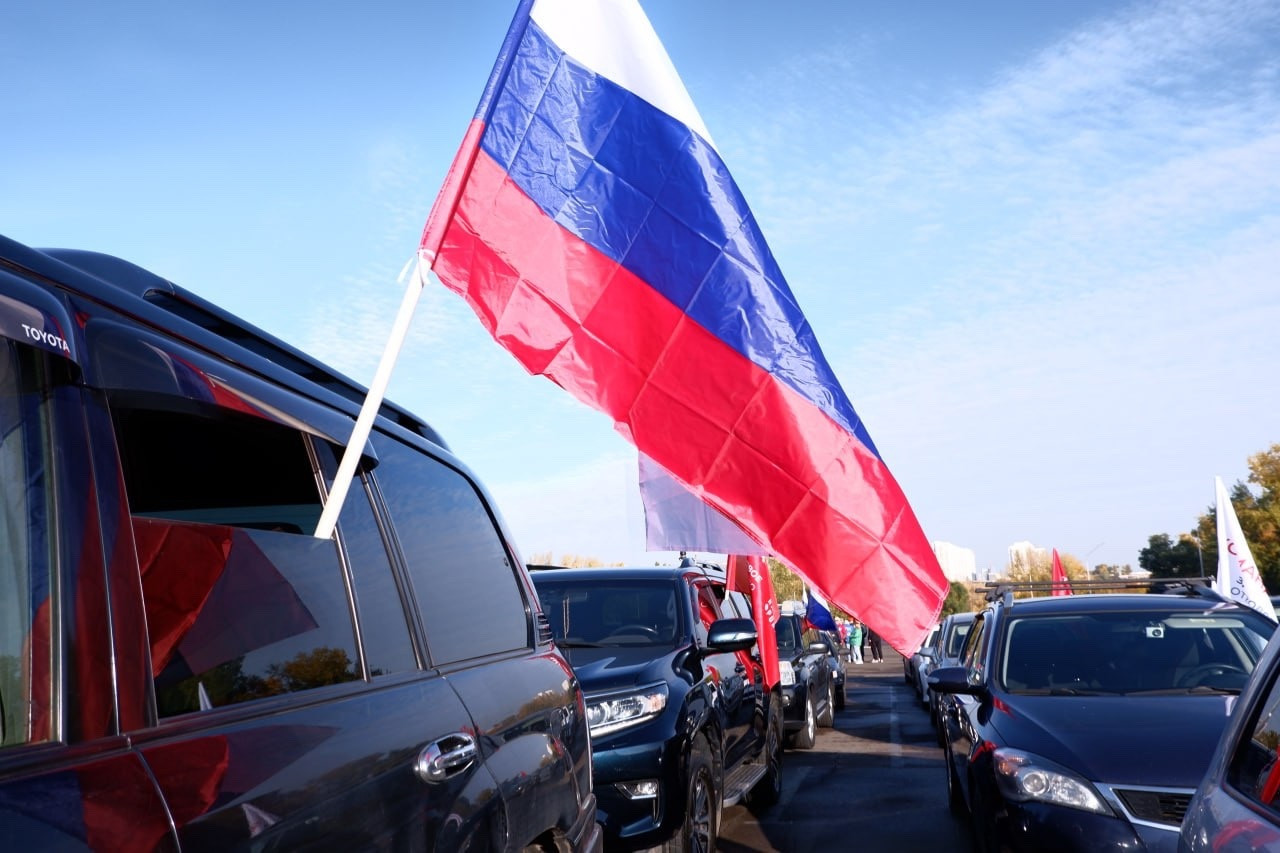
[1238,577]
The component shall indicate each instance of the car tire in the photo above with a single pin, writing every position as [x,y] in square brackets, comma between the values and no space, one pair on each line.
[768,790]
[840,700]
[702,808]
[827,718]
[807,736]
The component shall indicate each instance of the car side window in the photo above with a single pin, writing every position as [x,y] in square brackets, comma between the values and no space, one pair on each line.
[241,603]
[1254,770]
[380,604]
[975,650]
[463,579]
[26,639]
[707,606]
[739,602]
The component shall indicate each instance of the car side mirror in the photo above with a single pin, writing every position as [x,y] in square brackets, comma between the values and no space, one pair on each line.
[926,652]
[731,635]
[819,648]
[954,679]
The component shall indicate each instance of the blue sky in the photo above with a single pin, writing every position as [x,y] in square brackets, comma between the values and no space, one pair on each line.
[1039,242]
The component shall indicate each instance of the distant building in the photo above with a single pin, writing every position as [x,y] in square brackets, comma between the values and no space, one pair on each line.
[1026,553]
[958,564]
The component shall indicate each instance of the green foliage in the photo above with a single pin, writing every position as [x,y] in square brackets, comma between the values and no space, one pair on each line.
[957,600]
[1259,516]
[787,585]
[1108,571]
[1166,559]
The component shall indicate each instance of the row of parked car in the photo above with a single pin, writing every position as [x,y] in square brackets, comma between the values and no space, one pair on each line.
[682,719]
[1108,721]
[184,666]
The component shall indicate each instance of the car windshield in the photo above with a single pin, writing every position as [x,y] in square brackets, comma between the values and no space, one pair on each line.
[1132,652]
[789,634]
[610,613]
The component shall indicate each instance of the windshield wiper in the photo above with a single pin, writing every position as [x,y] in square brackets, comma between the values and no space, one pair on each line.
[1198,690]
[578,644]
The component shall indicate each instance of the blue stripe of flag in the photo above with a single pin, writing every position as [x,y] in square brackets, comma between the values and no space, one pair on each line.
[646,191]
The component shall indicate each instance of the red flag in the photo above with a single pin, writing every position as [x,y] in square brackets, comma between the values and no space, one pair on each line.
[752,574]
[1061,585]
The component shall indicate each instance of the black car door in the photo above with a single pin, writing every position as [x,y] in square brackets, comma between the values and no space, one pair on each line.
[732,678]
[292,707]
[960,715]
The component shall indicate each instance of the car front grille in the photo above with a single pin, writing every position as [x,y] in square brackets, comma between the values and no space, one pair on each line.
[1163,807]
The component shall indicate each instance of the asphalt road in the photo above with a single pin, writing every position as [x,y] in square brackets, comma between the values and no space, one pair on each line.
[872,783]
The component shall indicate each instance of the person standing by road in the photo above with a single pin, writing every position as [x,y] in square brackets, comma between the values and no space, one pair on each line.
[877,650]
[855,641]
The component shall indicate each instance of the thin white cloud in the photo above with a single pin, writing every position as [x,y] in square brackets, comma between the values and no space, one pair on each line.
[1044,279]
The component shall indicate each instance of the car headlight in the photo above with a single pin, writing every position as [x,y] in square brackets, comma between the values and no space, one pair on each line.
[1022,776]
[786,674]
[619,710]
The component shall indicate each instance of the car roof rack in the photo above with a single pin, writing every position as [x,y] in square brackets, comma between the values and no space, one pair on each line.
[1200,587]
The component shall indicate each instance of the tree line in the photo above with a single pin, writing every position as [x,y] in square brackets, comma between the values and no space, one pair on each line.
[1195,553]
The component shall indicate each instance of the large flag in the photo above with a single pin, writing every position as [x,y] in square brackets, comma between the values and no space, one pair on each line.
[1061,585]
[592,226]
[677,520]
[1238,577]
[750,573]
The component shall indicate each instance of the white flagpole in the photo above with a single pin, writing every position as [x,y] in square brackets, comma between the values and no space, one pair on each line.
[373,400]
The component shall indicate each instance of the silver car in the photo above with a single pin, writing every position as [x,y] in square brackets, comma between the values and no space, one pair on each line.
[950,643]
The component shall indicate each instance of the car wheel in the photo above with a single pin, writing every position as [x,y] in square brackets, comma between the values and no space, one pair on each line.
[767,791]
[827,718]
[807,736]
[698,832]
[840,698]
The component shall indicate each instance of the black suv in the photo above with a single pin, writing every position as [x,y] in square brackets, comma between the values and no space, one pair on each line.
[1085,722]
[183,665]
[681,720]
[808,684]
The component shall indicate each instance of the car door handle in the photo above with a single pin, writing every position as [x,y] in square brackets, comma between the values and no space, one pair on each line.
[446,757]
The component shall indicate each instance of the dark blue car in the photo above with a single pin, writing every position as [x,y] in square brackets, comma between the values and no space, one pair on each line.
[1085,722]
[682,722]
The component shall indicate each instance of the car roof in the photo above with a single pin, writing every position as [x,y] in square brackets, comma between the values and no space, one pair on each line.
[610,573]
[1119,602]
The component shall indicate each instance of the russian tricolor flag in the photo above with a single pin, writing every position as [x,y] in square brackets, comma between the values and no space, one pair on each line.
[591,224]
